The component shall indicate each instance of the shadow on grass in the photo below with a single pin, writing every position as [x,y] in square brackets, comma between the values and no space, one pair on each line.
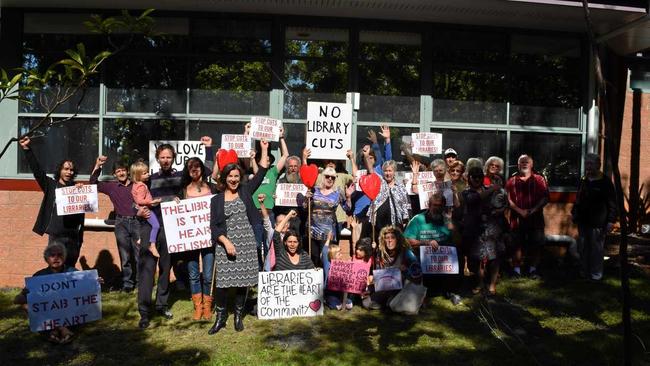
[112,341]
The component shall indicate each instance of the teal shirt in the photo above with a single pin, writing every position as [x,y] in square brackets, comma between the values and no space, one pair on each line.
[419,229]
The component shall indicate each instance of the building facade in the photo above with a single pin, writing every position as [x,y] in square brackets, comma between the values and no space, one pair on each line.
[494,77]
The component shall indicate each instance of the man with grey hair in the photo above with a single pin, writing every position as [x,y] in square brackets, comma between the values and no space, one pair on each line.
[595,213]
[527,195]
[292,174]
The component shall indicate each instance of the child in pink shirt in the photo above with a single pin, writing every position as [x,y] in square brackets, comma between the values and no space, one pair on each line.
[142,197]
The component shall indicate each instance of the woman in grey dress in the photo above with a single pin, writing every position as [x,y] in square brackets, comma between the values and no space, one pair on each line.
[232,219]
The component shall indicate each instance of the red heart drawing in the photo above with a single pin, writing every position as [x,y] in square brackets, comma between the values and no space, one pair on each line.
[225,157]
[370,185]
[315,305]
[309,174]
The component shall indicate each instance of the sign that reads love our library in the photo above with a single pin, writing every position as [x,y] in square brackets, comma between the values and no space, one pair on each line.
[329,130]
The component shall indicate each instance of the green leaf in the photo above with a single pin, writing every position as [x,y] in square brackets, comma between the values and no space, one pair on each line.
[74,56]
[145,13]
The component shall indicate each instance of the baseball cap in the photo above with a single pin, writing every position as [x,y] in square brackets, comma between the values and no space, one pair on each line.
[450,151]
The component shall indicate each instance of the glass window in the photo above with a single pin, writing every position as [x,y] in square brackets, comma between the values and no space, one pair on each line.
[127,140]
[228,36]
[146,84]
[545,81]
[474,143]
[316,42]
[396,142]
[76,139]
[230,87]
[313,81]
[389,76]
[556,157]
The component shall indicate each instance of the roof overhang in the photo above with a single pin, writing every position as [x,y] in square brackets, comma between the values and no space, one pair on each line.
[624,26]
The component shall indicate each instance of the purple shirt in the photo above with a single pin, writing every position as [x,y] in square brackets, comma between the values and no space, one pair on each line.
[119,194]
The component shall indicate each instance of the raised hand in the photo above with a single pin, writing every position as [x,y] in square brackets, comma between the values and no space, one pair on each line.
[385,132]
[206,140]
[372,136]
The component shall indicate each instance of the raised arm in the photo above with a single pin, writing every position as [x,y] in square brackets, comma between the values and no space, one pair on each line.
[39,173]
[385,133]
[284,151]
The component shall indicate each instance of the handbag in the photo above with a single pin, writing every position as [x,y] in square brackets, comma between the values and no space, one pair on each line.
[409,299]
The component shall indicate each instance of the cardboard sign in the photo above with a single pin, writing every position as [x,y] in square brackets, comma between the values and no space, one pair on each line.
[427,190]
[289,294]
[348,276]
[329,130]
[242,144]
[286,194]
[426,143]
[423,177]
[184,151]
[187,224]
[387,279]
[360,173]
[265,128]
[444,260]
[63,300]
[72,200]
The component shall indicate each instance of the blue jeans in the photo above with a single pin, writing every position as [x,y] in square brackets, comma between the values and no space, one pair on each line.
[127,233]
[192,257]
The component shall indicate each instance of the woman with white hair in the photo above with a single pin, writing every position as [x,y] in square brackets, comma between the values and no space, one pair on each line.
[392,204]
[325,199]
[493,170]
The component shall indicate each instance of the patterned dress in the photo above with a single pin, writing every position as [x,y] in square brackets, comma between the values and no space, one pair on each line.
[241,270]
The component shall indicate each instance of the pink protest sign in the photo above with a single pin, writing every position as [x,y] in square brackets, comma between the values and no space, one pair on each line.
[348,276]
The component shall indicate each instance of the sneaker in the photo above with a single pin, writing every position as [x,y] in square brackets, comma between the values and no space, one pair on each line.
[515,275]
[455,299]
[164,312]
[127,290]
[349,305]
[534,275]
[144,323]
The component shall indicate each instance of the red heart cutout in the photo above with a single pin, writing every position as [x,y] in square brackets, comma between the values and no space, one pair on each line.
[225,157]
[315,305]
[309,174]
[370,185]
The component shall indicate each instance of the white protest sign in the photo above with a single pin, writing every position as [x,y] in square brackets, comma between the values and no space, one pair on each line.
[426,143]
[426,190]
[423,177]
[63,300]
[242,144]
[72,200]
[184,151]
[187,224]
[286,194]
[387,279]
[265,128]
[357,176]
[329,130]
[288,294]
[443,260]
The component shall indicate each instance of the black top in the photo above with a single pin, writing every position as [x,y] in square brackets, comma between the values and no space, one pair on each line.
[595,203]
[282,261]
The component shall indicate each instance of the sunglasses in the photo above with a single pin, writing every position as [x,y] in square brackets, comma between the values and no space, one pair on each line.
[330,177]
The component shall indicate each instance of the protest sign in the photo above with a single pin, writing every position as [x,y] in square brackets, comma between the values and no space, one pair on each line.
[72,200]
[426,143]
[288,294]
[286,194]
[443,260]
[360,173]
[348,276]
[387,279]
[329,130]
[242,144]
[265,128]
[63,300]
[187,224]
[423,177]
[426,190]
[184,151]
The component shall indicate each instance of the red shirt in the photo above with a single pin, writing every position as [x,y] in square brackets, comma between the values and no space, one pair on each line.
[526,194]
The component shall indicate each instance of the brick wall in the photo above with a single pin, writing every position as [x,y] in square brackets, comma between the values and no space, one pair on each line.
[626,142]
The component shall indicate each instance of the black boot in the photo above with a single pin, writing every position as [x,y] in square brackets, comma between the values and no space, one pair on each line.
[240,303]
[220,311]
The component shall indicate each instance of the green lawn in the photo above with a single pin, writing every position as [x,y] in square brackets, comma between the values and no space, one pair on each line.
[549,322]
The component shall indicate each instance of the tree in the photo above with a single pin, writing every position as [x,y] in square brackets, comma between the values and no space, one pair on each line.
[69,77]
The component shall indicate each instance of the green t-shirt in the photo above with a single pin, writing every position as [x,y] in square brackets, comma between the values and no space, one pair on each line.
[419,229]
[268,188]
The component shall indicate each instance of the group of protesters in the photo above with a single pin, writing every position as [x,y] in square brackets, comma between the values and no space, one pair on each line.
[489,220]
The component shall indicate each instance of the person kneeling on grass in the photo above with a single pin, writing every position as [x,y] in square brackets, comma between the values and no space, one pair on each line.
[54,255]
